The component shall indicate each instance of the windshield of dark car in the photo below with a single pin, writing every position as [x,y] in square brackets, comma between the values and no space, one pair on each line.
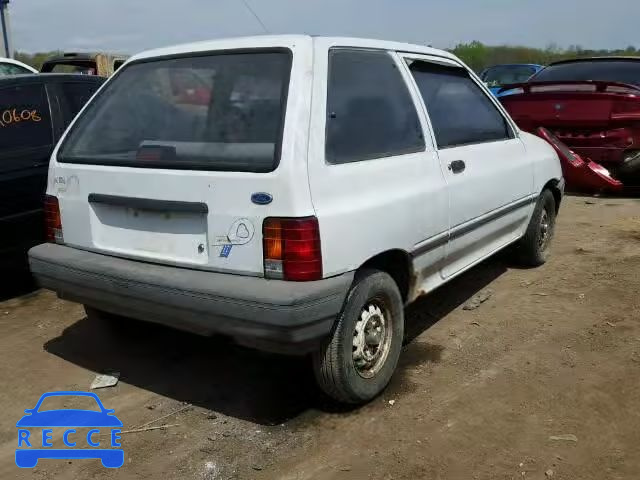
[506,74]
[621,71]
[209,112]
[66,402]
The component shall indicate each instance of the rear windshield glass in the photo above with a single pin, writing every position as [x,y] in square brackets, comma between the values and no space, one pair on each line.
[506,74]
[215,112]
[621,71]
[82,68]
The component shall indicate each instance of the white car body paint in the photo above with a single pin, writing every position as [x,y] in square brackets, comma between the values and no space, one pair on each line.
[412,203]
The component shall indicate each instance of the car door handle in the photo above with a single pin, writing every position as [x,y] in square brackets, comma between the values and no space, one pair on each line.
[457,166]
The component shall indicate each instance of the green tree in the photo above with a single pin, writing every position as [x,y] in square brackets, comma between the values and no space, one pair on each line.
[473,54]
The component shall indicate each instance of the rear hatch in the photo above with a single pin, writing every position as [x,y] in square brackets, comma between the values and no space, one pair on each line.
[572,105]
[179,159]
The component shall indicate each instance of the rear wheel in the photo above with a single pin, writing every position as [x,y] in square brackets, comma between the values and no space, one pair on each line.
[533,249]
[630,169]
[359,358]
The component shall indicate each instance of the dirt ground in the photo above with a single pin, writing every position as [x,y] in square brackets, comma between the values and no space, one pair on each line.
[479,394]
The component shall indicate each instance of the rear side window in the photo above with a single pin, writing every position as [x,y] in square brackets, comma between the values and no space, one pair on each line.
[370,113]
[76,95]
[25,121]
[460,112]
[214,112]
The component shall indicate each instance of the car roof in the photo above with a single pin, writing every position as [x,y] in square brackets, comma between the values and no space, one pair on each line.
[274,41]
[49,78]
[597,59]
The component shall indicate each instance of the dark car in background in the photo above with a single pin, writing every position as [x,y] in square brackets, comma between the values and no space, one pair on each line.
[34,112]
[591,105]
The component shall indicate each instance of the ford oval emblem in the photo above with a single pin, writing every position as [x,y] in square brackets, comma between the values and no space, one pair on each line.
[261,198]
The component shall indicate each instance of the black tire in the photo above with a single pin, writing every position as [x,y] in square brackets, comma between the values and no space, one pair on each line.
[630,170]
[334,364]
[533,248]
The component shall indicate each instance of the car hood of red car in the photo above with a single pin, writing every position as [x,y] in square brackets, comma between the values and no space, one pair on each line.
[580,174]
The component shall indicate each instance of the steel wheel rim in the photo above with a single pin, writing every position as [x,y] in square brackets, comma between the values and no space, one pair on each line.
[545,230]
[371,338]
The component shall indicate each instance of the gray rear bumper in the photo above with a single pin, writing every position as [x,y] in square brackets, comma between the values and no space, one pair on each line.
[267,314]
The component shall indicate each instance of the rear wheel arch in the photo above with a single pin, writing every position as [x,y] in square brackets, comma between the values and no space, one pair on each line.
[398,264]
[553,187]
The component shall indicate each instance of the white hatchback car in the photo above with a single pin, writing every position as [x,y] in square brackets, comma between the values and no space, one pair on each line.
[292,192]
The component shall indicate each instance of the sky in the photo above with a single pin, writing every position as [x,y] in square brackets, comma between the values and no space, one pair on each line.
[130,26]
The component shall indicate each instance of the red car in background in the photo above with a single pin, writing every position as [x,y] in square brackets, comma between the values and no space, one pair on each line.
[591,105]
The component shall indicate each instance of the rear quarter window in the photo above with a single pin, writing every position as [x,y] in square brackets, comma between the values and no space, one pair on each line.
[220,111]
[370,113]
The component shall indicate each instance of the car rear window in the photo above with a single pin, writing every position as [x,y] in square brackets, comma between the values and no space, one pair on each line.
[216,112]
[505,74]
[622,71]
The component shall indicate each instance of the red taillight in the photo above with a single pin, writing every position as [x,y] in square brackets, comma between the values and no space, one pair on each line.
[291,249]
[52,219]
